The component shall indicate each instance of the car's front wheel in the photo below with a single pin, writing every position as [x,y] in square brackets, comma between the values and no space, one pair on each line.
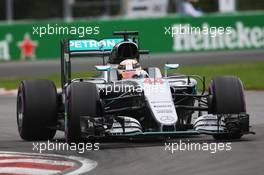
[227,98]
[36,110]
[82,100]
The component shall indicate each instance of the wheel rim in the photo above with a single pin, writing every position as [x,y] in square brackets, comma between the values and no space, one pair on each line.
[66,131]
[20,111]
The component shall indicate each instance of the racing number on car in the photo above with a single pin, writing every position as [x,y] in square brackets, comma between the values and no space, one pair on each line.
[154,81]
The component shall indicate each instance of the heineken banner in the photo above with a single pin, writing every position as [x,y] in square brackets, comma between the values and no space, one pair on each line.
[172,34]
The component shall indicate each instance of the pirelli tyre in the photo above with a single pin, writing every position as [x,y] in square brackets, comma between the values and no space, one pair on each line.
[227,97]
[82,100]
[36,110]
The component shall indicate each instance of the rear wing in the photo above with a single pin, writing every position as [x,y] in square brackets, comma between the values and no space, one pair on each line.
[91,48]
[83,48]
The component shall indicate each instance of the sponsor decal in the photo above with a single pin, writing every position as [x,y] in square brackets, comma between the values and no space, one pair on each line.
[153,81]
[239,37]
[162,106]
[166,118]
[93,45]
[4,47]
[163,111]
[27,47]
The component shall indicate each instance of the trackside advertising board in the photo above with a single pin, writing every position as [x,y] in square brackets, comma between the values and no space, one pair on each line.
[171,34]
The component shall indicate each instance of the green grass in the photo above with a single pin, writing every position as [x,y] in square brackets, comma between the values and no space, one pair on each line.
[13,83]
[252,74]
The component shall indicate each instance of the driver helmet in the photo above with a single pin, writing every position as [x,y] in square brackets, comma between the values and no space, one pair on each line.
[130,68]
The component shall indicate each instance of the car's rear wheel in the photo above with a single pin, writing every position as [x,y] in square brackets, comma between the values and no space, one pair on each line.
[36,110]
[82,100]
[227,98]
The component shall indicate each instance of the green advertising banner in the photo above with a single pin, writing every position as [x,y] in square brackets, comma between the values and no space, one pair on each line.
[172,34]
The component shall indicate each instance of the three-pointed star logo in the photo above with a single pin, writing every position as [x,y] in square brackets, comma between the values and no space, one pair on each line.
[27,47]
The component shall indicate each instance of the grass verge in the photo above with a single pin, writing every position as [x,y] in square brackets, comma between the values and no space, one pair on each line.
[252,74]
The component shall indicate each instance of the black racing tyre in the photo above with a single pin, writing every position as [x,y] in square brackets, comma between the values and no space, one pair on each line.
[228,95]
[227,98]
[82,100]
[36,110]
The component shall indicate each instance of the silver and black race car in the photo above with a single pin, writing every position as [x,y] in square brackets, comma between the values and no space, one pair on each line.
[126,100]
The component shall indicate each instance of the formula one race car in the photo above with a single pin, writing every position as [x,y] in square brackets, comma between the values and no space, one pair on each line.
[127,100]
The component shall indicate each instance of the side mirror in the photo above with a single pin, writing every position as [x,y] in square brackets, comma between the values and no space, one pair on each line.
[106,71]
[103,68]
[170,66]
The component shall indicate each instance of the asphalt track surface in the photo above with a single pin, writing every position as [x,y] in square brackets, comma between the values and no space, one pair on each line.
[149,157]
[35,68]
